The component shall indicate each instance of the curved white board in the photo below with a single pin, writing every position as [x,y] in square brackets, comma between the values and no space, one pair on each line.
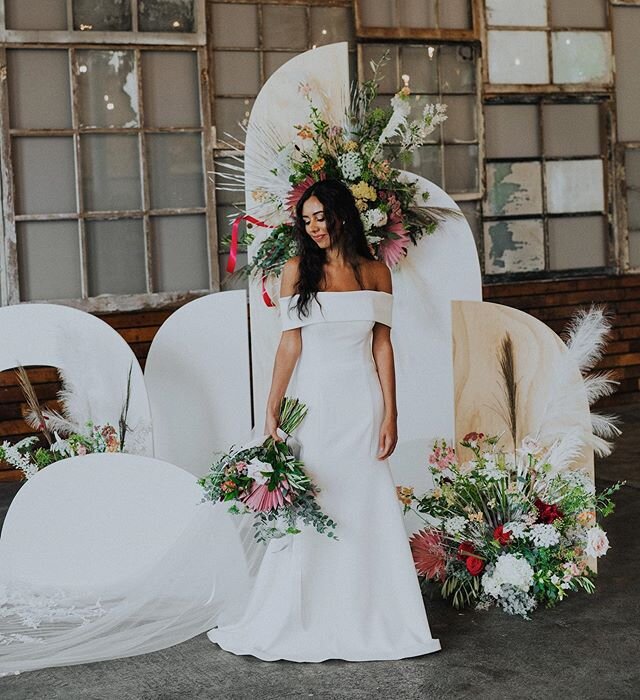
[198,380]
[91,353]
[440,268]
[107,516]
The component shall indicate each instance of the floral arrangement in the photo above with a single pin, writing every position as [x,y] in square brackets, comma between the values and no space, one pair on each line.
[360,151]
[507,529]
[62,435]
[268,481]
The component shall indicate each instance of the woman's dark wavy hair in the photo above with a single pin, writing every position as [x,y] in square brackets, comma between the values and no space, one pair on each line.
[345,231]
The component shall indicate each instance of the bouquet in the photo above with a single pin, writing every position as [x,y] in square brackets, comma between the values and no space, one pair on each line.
[507,529]
[360,151]
[269,481]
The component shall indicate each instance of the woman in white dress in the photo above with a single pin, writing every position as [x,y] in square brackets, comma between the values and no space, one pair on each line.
[357,598]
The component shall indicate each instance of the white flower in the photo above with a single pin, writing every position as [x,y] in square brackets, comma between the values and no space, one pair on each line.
[351,165]
[509,570]
[254,469]
[597,542]
[555,579]
[455,525]
[530,445]
[543,535]
[373,218]
[579,477]
[517,529]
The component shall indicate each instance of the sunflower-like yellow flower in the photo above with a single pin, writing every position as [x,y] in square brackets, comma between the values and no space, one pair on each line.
[318,165]
[364,191]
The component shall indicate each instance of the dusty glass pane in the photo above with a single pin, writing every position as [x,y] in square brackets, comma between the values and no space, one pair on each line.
[180,253]
[581,57]
[390,72]
[626,30]
[577,242]
[513,189]
[561,135]
[634,249]
[224,219]
[237,72]
[417,13]
[39,95]
[574,185]
[44,174]
[457,69]
[460,125]
[116,258]
[632,167]
[421,68]
[102,15]
[166,16]
[513,246]
[46,14]
[234,281]
[170,88]
[107,88]
[175,170]
[48,260]
[633,209]
[455,14]
[523,13]
[427,161]
[461,169]
[377,13]
[331,24]
[234,26]
[284,27]
[518,57]
[511,131]
[232,113]
[110,172]
[274,59]
[572,14]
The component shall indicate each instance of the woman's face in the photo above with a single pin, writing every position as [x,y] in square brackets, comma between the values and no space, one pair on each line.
[314,222]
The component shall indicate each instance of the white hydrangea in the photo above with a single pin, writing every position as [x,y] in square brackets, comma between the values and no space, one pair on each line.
[255,468]
[579,477]
[543,535]
[373,218]
[517,529]
[455,525]
[509,570]
[351,165]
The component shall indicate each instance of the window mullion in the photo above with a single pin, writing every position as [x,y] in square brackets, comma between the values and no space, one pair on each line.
[144,180]
[134,15]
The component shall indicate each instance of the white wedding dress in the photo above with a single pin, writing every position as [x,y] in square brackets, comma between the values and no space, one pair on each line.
[307,597]
[357,598]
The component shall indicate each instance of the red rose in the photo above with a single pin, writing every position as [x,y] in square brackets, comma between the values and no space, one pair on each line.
[474,566]
[465,549]
[547,513]
[502,536]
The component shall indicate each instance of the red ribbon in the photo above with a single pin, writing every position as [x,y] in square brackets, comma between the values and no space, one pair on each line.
[233,251]
[235,227]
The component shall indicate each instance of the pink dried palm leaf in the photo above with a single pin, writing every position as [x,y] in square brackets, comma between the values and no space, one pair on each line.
[429,555]
[394,249]
[298,190]
[260,499]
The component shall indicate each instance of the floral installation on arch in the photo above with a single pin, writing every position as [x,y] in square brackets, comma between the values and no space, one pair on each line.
[361,151]
[510,529]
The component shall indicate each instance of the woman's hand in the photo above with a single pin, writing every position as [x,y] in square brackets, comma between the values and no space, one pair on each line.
[388,438]
[271,426]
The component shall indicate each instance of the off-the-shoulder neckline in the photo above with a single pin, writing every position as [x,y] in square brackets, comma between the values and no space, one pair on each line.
[348,291]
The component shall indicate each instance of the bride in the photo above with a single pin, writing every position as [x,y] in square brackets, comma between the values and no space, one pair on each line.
[358,598]
[307,597]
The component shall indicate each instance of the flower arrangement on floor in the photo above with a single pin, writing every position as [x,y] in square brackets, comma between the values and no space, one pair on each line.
[268,481]
[360,151]
[509,529]
[64,435]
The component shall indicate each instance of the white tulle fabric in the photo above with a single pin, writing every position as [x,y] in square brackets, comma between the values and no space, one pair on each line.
[358,598]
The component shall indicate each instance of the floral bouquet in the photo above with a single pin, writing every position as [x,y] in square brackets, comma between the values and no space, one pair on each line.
[268,481]
[360,151]
[507,529]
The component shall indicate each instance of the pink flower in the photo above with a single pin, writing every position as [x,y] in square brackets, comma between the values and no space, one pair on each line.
[428,554]
[394,249]
[597,542]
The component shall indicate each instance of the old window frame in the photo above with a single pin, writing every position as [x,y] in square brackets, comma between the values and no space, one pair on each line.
[137,42]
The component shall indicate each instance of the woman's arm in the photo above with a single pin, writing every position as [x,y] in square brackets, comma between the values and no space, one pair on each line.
[383,357]
[286,356]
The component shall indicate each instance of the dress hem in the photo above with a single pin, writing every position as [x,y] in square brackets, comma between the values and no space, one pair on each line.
[372,656]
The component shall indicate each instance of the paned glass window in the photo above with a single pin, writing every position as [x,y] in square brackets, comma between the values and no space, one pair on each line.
[419,14]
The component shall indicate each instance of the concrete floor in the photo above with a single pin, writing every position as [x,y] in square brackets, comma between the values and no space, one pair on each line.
[588,647]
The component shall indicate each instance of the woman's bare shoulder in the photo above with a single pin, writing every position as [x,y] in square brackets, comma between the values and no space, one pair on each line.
[378,276]
[289,279]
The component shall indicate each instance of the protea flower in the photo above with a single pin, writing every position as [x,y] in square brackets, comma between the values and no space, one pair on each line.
[394,249]
[428,554]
